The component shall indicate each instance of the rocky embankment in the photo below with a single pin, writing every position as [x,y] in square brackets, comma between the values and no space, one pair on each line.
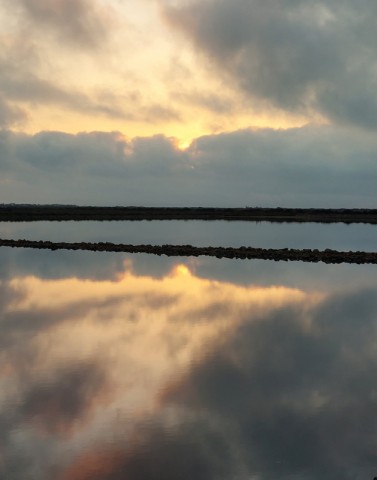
[283,254]
[11,212]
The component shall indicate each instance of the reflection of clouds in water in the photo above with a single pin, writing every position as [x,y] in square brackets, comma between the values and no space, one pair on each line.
[195,450]
[300,397]
[337,236]
[41,409]
[109,266]
[290,394]
[59,264]
[83,361]
[54,404]
[184,377]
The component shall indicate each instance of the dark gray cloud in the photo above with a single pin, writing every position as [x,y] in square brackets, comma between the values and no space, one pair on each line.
[309,166]
[302,56]
[75,22]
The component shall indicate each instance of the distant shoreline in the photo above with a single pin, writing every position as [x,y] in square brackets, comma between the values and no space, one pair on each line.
[282,254]
[22,213]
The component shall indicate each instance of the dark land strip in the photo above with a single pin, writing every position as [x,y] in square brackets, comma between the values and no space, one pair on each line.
[283,254]
[17,213]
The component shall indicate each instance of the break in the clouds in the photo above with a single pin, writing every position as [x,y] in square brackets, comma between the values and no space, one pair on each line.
[306,56]
[311,166]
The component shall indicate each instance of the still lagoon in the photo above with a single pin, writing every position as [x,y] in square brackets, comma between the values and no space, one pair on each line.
[116,366]
[336,236]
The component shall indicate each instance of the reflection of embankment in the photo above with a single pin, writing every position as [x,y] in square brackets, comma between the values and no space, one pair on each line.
[64,213]
[283,254]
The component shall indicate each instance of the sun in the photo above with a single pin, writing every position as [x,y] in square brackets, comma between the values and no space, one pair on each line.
[183,144]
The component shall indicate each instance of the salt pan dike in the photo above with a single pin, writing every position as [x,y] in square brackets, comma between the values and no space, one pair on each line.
[26,212]
[284,254]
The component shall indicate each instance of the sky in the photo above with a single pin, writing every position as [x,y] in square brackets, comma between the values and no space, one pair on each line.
[188,102]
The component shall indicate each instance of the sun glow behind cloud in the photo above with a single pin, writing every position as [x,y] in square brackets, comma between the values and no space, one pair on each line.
[185,70]
[139,77]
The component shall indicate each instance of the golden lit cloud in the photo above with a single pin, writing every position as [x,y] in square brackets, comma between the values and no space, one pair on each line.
[113,66]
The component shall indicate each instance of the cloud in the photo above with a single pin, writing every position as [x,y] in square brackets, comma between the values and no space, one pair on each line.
[80,23]
[302,56]
[20,85]
[310,166]
[208,100]
[39,78]
[26,86]
[10,115]
[158,113]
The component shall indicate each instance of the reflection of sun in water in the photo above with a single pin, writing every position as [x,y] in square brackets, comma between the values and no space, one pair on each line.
[181,271]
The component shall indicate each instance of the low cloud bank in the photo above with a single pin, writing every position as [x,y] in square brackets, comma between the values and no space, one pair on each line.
[313,166]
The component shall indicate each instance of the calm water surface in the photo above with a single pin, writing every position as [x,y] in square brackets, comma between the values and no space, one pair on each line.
[118,367]
[199,233]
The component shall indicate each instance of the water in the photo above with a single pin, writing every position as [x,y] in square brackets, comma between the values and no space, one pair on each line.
[200,233]
[118,366]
